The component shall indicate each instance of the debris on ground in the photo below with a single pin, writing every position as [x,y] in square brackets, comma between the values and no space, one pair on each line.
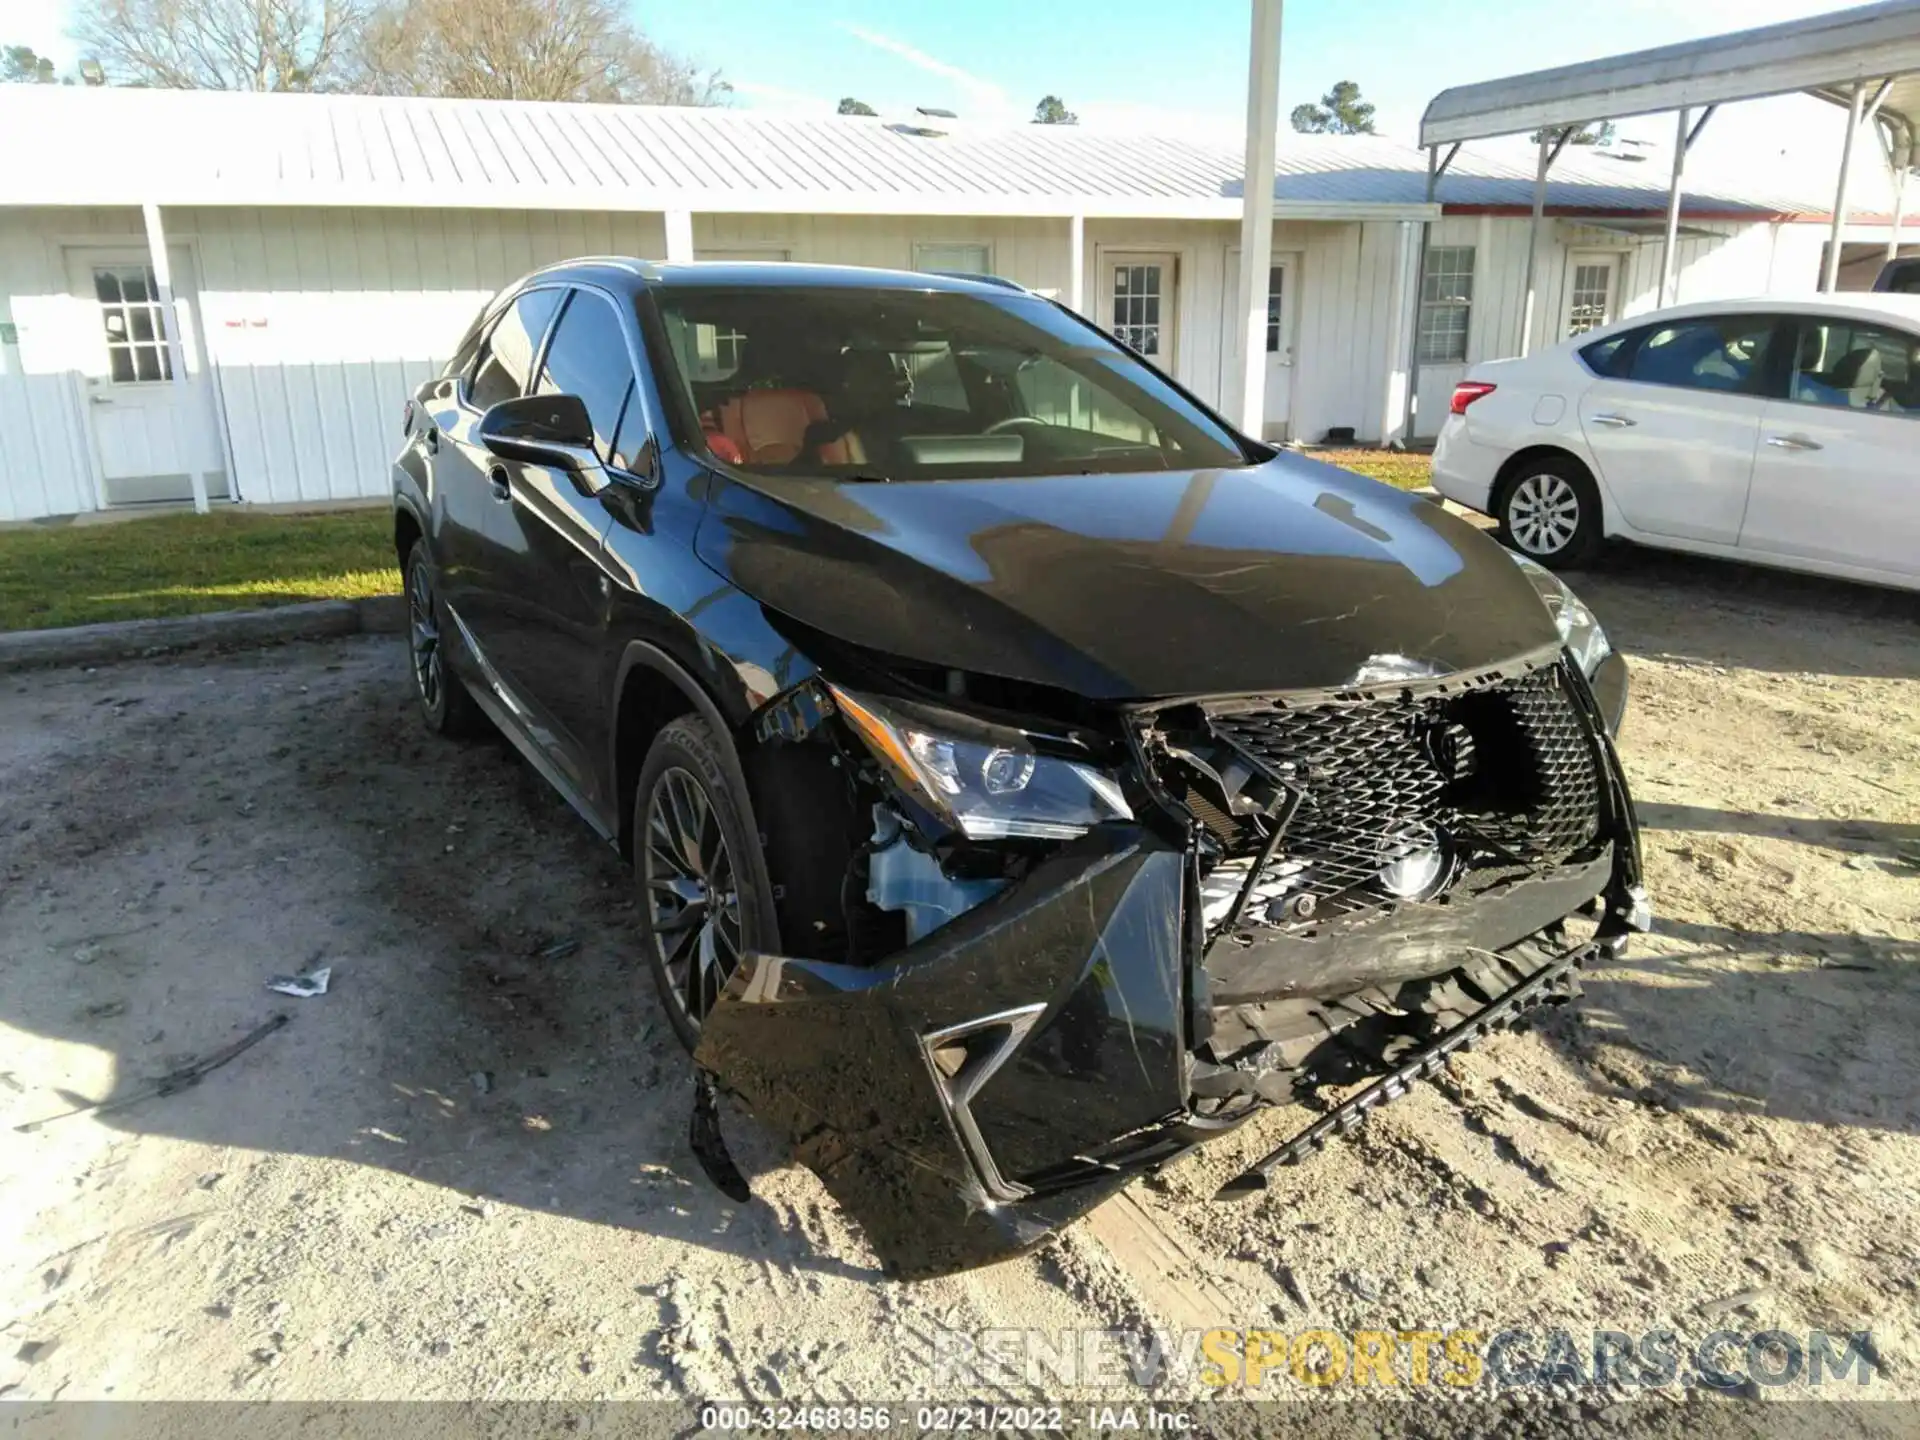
[303,986]
[172,1083]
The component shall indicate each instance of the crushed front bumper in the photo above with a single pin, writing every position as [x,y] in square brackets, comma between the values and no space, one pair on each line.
[1011,1070]
[995,1080]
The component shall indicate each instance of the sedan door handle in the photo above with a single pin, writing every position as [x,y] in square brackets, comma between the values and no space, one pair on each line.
[1617,421]
[1792,442]
[497,481]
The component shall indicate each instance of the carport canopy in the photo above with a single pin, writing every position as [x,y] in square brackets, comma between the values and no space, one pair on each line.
[1865,59]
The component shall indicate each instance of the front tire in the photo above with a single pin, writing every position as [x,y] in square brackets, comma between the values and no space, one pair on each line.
[704,897]
[1550,511]
[444,702]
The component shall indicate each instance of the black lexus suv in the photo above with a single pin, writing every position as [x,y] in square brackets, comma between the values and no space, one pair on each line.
[1025,775]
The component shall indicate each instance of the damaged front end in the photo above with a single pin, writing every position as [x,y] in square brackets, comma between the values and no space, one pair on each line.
[1073,949]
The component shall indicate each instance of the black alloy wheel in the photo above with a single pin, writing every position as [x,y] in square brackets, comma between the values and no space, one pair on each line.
[444,702]
[703,901]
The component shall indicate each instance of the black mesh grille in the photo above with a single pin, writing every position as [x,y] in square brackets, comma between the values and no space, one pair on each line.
[1505,773]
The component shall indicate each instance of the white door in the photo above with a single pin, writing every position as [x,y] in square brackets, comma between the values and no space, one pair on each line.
[1837,474]
[150,434]
[1282,302]
[1593,291]
[1139,301]
[1674,431]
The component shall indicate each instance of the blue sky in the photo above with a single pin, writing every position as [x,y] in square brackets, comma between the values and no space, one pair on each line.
[1172,65]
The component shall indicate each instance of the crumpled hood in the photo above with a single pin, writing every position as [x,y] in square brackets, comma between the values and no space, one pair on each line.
[1287,575]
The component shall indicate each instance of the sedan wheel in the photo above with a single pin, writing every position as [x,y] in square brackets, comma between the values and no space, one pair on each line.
[1544,514]
[692,893]
[1551,512]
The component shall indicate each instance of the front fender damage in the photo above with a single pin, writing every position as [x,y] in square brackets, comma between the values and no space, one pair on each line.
[962,1101]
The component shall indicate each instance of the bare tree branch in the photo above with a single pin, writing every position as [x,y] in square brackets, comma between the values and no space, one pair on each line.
[523,50]
[220,44]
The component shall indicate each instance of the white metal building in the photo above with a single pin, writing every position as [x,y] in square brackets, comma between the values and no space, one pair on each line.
[323,254]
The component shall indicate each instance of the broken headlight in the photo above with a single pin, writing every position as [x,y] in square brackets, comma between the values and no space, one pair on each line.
[1579,631]
[986,781]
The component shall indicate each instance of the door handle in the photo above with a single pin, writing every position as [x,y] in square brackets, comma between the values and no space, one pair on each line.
[1792,442]
[1616,421]
[497,482]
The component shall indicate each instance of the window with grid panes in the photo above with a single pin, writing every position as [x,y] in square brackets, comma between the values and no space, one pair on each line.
[1136,307]
[1446,302]
[1592,297]
[130,312]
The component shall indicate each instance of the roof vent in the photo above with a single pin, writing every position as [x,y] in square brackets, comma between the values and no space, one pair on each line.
[931,113]
[925,132]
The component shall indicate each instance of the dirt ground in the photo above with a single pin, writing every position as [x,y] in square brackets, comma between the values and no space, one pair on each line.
[462,1173]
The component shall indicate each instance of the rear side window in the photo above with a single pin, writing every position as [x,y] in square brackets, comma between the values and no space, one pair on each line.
[1903,278]
[588,358]
[1715,352]
[505,361]
[1603,356]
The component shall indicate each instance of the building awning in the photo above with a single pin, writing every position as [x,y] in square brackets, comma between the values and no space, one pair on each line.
[1643,229]
[1866,59]
[1824,55]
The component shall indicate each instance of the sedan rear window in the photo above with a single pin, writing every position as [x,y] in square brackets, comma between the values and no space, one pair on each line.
[1718,352]
[913,384]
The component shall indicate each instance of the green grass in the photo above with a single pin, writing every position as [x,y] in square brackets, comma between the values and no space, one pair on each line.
[189,564]
[1409,471]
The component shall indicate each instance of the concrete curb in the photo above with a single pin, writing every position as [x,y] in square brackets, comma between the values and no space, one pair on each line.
[224,630]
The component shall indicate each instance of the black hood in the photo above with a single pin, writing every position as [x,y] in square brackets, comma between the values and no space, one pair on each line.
[1287,575]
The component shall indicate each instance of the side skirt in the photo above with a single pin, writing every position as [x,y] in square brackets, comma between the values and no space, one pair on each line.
[515,721]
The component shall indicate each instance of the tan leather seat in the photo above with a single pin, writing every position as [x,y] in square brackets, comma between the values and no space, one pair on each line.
[769,427]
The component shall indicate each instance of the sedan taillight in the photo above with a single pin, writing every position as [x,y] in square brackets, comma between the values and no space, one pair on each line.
[406,419]
[1468,391]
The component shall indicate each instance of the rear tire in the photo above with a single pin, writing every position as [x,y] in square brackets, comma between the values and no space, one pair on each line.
[1549,511]
[704,897]
[444,702]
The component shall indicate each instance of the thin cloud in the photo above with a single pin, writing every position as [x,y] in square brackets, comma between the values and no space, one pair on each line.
[985,97]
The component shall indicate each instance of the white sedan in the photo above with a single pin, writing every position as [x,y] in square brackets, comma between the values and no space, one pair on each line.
[1782,431]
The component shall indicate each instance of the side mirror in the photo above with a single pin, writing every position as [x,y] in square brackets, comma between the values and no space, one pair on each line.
[541,430]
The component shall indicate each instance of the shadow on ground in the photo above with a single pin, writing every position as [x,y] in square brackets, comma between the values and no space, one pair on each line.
[177,833]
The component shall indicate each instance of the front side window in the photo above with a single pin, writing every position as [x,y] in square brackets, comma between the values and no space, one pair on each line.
[1856,365]
[588,357]
[921,385]
[1715,352]
[504,362]
[1446,304]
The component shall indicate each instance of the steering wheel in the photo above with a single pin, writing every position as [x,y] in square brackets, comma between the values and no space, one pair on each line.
[1013,420]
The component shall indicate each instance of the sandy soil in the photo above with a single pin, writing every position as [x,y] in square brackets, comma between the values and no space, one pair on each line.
[462,1172]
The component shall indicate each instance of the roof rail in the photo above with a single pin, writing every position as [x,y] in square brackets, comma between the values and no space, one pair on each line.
[999,280]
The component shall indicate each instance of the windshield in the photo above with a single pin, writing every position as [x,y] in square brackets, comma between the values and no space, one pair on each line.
[919,385]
